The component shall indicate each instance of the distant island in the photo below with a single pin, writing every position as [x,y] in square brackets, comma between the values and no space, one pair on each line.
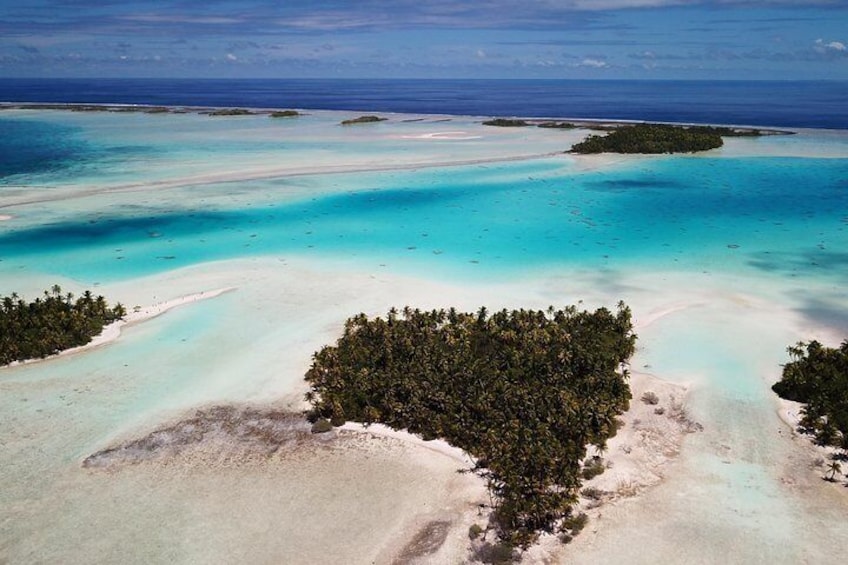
[651,139]
[523,391]
[363,120]
[818,377]
[506,123]
[52,323]
[285,114]
[557,125]
[229,112]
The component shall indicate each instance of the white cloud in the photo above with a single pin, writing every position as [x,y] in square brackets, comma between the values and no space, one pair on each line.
[179,19]
[481,54]
[593,63]
[231,57]
[823,46]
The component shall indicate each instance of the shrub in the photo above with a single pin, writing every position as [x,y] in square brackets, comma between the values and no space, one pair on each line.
[474,531]
[497,554]
[322,426]
[575,523]
[593,469]
[650,398]
[592,493]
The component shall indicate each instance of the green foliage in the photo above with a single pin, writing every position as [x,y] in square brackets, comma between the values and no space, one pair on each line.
[474,531]
[51,323]
[321,426]
[524,392]
[651,138]
[231,112]
[285,114]
[506,123]
[731,132]
[497,554]
[818,377]
[593,493]
[575,523]
[557,125]
[363,120]
[592,469]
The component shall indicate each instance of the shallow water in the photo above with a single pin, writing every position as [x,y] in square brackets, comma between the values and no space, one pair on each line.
[742,248]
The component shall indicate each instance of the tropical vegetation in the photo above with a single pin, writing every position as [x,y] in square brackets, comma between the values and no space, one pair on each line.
[557,125]
[231,112]
[524,392]
[51,323]
[651,138]
[818,377]
[363,120]
[506,123]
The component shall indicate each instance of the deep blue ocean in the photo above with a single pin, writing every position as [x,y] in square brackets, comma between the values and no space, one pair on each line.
[814,104]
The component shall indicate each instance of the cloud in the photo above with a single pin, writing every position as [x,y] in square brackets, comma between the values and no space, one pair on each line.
[593,63]
[181,19]
[824,47]
[231,57]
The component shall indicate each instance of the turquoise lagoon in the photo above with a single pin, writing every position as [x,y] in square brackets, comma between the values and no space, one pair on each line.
[745,248]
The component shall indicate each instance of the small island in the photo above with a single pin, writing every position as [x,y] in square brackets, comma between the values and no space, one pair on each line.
[817,376]
[524,392]
[285,114]
[506,123]
[230,112]
[557,125]
[51,323]
[363,120]
[651,139]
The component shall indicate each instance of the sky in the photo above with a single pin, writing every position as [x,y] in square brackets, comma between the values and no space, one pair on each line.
[589,39]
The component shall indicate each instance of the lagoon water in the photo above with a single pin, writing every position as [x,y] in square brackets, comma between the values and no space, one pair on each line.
[726,258]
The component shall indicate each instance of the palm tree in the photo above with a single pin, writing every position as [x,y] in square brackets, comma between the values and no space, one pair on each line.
[833,468]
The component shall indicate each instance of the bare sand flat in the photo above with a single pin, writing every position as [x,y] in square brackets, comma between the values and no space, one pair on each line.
[375,493]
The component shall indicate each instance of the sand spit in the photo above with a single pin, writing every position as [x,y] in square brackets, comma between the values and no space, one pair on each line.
[636,459]
[239,441]
[243,437]
[818,456]
[113,331]
[271,174]
[444,135]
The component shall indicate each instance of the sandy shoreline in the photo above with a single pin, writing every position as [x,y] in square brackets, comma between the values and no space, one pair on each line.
[262,111]
[259,437]
[293,309]
[112,331]
[268,174]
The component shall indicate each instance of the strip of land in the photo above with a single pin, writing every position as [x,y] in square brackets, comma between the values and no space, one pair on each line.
[113,331]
